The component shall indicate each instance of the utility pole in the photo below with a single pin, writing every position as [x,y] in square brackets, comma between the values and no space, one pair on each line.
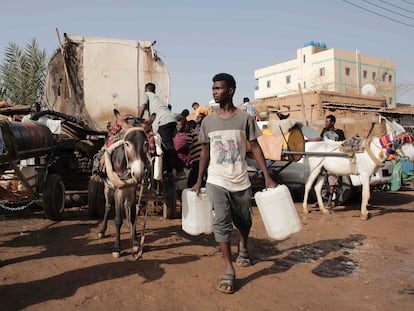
[302,105]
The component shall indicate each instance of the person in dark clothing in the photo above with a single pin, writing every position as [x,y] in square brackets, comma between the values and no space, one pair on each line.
[185,113]
[332,133]
[195,154]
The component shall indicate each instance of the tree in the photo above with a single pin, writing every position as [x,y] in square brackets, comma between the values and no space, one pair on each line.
[22,74]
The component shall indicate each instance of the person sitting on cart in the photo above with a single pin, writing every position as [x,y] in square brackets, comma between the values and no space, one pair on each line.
[34,108]
[53,125]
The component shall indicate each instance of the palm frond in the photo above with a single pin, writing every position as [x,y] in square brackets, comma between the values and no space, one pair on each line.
[23,72]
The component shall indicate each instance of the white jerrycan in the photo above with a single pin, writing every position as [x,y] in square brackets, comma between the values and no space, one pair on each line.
[197,214]
[278,212]
[158,158]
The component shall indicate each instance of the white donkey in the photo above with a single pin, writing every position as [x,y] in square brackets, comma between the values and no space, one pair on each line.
[363,163]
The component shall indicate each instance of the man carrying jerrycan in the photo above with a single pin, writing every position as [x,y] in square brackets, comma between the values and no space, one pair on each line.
[223,136]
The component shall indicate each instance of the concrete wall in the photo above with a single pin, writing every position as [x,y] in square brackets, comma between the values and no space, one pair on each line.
[354,114]
[316,68]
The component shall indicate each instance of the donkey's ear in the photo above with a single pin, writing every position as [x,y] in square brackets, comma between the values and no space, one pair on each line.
[116,113]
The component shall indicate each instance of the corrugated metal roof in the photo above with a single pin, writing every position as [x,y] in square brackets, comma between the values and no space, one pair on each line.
[350,105]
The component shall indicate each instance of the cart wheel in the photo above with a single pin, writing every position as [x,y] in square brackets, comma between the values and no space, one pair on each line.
[347,190]
[96,197]
[54,197]
[344,191]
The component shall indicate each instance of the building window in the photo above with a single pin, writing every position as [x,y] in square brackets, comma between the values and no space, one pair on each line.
[365,74]
[347,71]
[322,71]
[374,75]
[383,77]
[287,79]
[304,84]
[268,83]
[304,58]
[390,78]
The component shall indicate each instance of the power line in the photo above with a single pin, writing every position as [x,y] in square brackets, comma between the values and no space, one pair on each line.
[384,16]
[408,2]
[381,7]
[396,6]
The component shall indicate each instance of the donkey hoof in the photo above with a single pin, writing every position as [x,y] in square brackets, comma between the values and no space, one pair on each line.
[116,254]
[100,235]
[364,216]
[305,211]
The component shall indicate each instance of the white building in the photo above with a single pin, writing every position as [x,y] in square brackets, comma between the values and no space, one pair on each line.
[317,67]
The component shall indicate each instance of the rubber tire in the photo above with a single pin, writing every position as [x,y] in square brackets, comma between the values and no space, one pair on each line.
[345,191]
[54,197]
[96,197]
[348,191]
[297,192]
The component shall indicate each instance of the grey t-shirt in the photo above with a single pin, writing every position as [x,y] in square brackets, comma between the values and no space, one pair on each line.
[156,105]
[228,139]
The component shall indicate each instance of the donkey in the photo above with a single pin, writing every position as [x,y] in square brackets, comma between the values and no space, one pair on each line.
[126,166]
[362,163]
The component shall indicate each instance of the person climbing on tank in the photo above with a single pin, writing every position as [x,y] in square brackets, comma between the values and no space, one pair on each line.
[165,125]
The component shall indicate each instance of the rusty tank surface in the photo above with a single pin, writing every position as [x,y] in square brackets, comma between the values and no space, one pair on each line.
[88,77]
[32,138]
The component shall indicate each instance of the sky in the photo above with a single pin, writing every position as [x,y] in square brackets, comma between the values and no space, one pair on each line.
[197,39]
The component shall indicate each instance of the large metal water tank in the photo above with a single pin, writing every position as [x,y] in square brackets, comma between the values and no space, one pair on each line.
[92,76]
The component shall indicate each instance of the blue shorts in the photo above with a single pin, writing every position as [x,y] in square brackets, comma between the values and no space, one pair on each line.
[229,207]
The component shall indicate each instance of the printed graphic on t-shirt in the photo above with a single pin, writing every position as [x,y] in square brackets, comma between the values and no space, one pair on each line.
[227,162]
[227,150]
[331,135]
[227,139]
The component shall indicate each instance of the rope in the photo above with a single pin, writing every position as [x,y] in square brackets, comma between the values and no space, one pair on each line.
[112,176]
[142,240]
[371,155]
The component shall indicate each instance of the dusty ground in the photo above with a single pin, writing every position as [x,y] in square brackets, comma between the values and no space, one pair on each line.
[336,262]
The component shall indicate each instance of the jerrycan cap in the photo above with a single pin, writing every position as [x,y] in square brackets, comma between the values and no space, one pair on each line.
[270,189]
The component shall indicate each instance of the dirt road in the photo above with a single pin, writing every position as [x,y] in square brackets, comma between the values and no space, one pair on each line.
[336,262]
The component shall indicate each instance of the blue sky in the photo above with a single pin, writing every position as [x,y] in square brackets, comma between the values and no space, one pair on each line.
[198,39]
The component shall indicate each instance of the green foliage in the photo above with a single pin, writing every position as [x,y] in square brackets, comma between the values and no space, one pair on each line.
[22,74]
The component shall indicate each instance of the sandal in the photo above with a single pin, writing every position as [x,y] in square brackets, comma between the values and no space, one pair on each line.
[243,259]
[226,284]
